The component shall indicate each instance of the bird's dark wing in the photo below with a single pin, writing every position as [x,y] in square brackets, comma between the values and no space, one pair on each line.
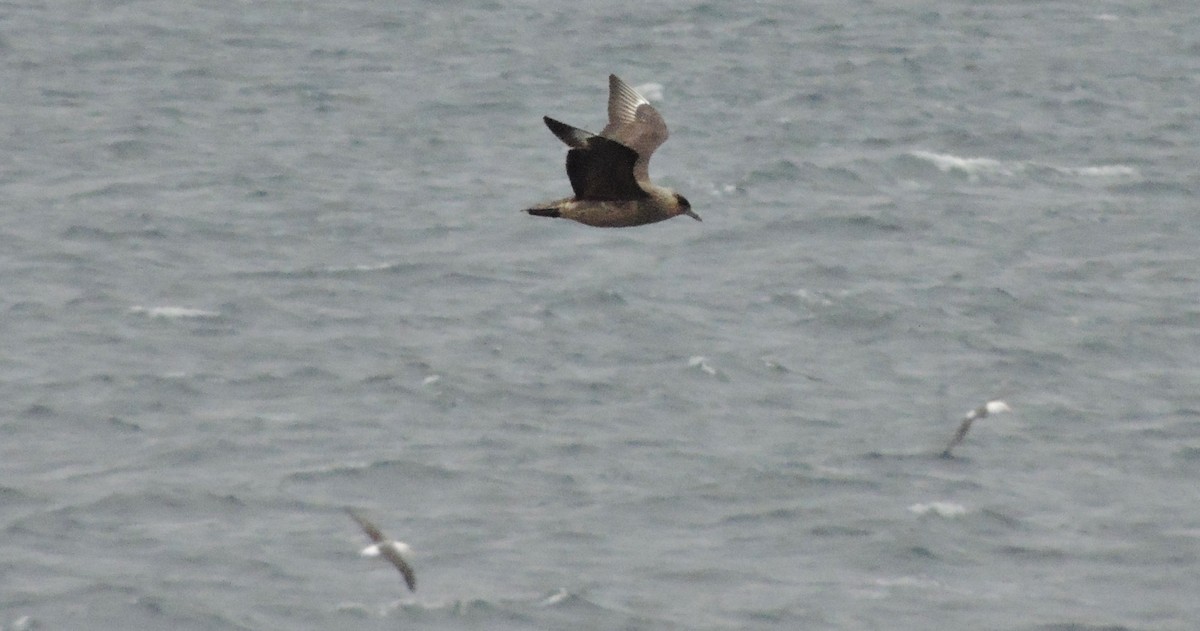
[372,531]
[599,168]
[390,553]
[603,170]
[573,136]
[960,434]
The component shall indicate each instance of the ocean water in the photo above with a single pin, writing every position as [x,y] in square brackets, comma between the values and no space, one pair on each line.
[265,260]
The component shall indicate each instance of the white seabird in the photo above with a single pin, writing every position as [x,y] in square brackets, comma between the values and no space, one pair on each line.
[991,407]
[390,549]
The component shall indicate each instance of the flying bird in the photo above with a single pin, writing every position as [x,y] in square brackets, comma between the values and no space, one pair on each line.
[390,549]
[991,407]
[610,173]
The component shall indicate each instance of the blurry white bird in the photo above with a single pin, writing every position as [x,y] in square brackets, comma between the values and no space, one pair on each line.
[991,407]
[390,549]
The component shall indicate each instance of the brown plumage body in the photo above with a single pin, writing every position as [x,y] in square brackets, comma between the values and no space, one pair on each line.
[656,206]
[609,171]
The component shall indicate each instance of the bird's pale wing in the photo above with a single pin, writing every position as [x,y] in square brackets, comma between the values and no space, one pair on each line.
[633,122]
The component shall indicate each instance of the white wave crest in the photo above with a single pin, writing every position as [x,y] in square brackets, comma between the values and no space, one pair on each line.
[947,510]
[975,168]
[1112,170]
[972,167]
[554,598]
[652,91]
[701,362]
[173,313]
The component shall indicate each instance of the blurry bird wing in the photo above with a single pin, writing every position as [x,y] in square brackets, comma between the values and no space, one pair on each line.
[633,122]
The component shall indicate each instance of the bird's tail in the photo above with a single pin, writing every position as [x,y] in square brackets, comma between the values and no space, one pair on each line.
[544,211]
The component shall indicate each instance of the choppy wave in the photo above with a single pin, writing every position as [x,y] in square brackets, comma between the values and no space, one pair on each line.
[174,313]
[550,608]
[977,168]
[652,91]
[722,425]
[948,510]
[340,271]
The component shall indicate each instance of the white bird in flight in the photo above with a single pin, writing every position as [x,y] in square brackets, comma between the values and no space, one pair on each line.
[389,549]
[991,407]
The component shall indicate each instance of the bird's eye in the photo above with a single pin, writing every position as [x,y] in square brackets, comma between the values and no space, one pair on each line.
[682,201]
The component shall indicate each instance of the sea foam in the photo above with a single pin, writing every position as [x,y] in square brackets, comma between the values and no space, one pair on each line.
[976,168]
[939,509]
[173,313]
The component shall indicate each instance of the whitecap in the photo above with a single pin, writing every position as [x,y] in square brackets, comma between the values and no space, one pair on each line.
[430,380]
[1107,171]
[719,190]
[652,91]
[948,510]
[365,267]
[701,362]
[554,598]
[812,298]
[972,167]
[173,313]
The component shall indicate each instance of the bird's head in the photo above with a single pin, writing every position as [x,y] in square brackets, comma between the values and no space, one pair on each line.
[684,207]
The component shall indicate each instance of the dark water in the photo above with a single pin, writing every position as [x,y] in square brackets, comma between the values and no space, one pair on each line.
[264,260]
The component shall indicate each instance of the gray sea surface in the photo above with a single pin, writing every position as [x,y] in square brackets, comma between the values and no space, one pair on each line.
[264,260]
